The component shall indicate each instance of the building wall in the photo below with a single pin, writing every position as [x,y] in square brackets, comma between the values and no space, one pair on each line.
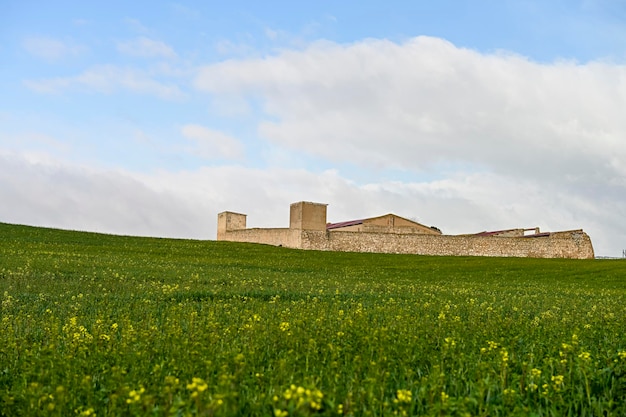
[227,221]
[510,233]
[353,228]
[307,216]
[398,229]
[388,223]
[368,227]
[392,221]
[574,244]
[308,231]
[289,238]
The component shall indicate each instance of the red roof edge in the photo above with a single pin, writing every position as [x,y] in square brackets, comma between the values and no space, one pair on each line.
[339,225]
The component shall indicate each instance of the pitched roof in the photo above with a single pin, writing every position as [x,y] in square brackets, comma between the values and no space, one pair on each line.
[494,232]
[330,226]
[339,225]
[497,232]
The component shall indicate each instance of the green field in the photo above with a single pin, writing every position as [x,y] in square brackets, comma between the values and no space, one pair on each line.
[106,325]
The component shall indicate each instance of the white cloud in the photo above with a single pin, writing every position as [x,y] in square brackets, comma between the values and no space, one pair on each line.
[415,104]
[212,144]
[186,203]
[136,25]
[234,48]
[49,193]
[146,48]
[51,49]
[271,33]
[185,11]
[108,79]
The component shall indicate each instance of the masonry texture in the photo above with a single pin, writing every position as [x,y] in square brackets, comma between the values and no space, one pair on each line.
[394,234]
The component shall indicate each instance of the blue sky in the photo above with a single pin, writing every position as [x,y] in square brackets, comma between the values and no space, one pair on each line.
[151,117]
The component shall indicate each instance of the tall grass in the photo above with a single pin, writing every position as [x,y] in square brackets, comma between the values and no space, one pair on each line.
[108,325]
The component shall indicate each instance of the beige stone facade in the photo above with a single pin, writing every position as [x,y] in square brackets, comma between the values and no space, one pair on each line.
[394,234]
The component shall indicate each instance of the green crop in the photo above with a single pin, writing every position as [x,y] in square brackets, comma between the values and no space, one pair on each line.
[99,325]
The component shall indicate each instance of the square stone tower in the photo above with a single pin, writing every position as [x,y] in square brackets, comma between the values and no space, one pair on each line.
[227,221]
[308,216]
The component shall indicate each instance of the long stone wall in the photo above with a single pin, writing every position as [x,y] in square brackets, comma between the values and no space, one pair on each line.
[308,231]
[573,244]
[289,238]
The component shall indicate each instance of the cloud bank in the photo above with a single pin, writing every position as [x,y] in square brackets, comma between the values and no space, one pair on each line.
[425,102]
[455,138]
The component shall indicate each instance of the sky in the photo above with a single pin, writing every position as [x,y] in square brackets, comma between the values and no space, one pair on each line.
[150,117]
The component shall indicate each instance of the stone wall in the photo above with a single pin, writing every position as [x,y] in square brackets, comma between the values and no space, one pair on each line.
[305,215]
[227,221]
[289,238]
[308,231]
[572,244]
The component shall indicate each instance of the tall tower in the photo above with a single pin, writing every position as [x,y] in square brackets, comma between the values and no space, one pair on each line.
[227,221]
[308,216]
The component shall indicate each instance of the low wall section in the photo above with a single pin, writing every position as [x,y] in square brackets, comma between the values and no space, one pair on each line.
[289,238]
[574,244]
[308,231]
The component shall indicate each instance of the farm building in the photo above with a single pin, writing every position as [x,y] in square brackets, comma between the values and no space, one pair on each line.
[308,229]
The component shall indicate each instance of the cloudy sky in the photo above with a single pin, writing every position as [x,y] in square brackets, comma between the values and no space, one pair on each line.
[150,117]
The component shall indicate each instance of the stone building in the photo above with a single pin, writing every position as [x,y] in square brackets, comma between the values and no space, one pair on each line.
[308,229]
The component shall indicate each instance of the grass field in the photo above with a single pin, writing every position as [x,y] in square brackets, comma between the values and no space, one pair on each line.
[107,325]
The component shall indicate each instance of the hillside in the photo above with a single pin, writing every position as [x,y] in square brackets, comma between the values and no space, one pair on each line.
[117,325]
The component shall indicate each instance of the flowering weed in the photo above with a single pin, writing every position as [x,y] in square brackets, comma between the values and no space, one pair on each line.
[100,325]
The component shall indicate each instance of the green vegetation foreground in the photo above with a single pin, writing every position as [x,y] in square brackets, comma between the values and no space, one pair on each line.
[112,326]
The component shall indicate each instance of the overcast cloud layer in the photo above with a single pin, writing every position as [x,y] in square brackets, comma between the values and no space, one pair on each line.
[425,102]
[449,136]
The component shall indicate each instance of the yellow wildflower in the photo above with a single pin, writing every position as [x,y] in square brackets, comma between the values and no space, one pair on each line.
[403,396]
[134,396]
[557,382]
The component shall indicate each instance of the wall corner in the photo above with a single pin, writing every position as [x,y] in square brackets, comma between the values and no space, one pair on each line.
[228,221]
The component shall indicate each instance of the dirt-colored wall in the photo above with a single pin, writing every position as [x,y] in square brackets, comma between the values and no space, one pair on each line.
[367,227]
[575,244]
[227,221]
[374,238]
[353,228]
[394,224]
[289,238]
[397,229]
[509,233]
[307,216]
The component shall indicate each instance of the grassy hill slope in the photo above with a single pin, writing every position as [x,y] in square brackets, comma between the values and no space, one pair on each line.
[117,325]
